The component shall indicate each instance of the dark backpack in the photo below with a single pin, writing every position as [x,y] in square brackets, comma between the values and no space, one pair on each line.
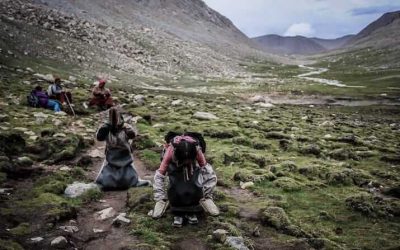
[33,100]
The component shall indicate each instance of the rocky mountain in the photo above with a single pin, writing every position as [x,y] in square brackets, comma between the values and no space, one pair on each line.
[299,44]
[383,32]
[330,44]
[289,45]
[142,37]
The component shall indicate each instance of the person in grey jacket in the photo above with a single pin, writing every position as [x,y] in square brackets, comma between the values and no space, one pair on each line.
[118,171]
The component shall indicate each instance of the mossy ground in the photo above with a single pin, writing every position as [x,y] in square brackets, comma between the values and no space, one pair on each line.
[313,159]
[313,162]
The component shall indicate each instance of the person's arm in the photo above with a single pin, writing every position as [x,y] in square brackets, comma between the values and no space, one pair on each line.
[201,159]
[130,131]
[55,89]
[166,160]
[107,93]
[97,92]
[103,131]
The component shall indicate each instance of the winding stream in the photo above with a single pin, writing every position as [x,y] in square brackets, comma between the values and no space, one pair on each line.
[318,71]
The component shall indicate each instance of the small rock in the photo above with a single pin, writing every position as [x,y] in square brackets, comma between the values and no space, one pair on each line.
[21,129]
[59,242]
[205,116]
[30,133]
[76,189]
[96,230]
[33,138]
[121,219]
[5,191]
[65,168]
[327,124]
[69,229]
[256,232]
[176,102]
[140,99]
[105,214]
[245,185]
[25,161]
[47,77]
[60,135]
[236,243]
[220,235]
[264,105]
[72,78]
[57,122]
[37,239]
[61,113]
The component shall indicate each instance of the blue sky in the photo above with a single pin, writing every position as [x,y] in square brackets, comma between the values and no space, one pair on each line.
[311,18]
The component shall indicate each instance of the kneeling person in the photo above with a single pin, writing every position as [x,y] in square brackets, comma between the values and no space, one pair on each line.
[118,171]
[191,180]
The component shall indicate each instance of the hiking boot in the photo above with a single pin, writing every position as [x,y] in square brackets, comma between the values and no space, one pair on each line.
[209,206]
[143,183]
[178,220]
[192,219]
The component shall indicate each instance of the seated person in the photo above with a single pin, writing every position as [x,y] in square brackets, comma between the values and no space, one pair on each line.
[101,96]
[56,92]
[191,180]
[118,171]
[44,100]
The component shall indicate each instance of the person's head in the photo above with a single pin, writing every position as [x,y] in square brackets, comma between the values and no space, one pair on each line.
[57,80]
[185,152]
[102,83]
[38,88]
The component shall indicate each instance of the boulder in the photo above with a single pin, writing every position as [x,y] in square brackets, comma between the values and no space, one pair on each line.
[176,102]
[77,189]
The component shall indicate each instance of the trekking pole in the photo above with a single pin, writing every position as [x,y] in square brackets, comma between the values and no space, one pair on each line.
[69,104]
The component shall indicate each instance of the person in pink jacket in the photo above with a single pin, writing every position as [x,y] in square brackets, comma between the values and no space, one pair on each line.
[191,179]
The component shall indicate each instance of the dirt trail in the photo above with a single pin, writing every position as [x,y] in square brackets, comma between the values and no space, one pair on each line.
[101,234]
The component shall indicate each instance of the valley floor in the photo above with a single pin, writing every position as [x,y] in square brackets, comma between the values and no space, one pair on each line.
[316,176]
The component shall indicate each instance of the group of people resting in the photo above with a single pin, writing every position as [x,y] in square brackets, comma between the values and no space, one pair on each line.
[191,179]
[55,96]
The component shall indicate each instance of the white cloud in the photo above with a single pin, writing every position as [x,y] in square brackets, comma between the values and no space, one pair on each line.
[300,29]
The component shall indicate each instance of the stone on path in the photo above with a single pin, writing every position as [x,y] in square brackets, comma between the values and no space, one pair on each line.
[105,214]
[121,219]
[37,239]
[59,242]
[76,189]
